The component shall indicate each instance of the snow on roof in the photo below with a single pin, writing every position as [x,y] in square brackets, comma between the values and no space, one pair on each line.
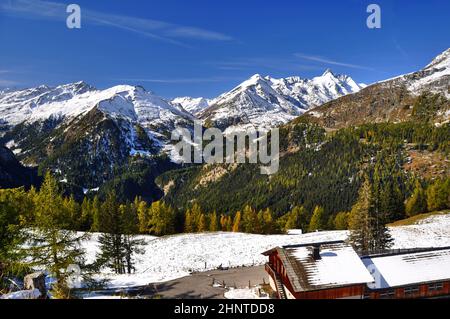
[339,266]
[409,268]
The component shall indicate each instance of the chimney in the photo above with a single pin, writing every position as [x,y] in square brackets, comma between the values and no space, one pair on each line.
[316,252]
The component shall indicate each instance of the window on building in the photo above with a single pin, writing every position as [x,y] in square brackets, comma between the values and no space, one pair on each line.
[435,287]
[387,294]
[411,290]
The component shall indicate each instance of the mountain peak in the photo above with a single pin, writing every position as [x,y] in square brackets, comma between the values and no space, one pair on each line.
[256,76]
[191,104]
[328,72]
[269,101]
[441,61]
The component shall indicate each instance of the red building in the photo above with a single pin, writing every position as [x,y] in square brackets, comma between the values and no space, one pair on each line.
[329,270]
[424,273]
[333,270]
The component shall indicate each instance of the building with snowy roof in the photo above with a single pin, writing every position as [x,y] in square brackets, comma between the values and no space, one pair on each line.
[420,273]
[333,270]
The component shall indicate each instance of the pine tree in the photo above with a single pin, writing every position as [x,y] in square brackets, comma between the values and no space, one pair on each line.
[236,228]
[213,223]
[296,219]
[202,224]
[341,221]
[73,213]
[131,244]
[96,217]
[317,220]
[438,195]
[162,219]
[417,203]
[250,223]
[15,206]
[367,224]
[266,221]
[112,252]
[86,215]
[52,245]
[230,226]
[188,222]
[196,213]
[143,214]
[223,222]
[360,220]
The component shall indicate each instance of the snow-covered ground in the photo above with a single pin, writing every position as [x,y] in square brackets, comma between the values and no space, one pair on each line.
[245,293]
[172,257]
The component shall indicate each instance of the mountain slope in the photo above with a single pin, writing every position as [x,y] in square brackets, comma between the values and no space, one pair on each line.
[88,136]
[192,105]
[393,100]
[395,129]
[265,101]
[12,173]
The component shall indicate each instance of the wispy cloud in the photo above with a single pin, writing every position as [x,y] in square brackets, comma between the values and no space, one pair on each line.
[258,63]
[155,29]
[7,83]
[180,80]
[328,61]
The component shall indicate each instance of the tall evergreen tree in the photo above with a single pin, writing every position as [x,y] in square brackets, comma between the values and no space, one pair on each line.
[341,221]
[51,243]
[368,230]
[118,243]
[131,244]
[438,195]
[250,222]
[236,228]
[162,219]
[296,219]
[189,225]
[417,203]
[317,219]
[213,222]
[96,217]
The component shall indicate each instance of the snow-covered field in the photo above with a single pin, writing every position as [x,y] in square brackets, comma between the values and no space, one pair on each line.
[172,257]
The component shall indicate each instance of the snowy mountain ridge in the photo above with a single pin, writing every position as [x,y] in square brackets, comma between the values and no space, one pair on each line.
[72,100]
[270,102]
[192,105]
[434,77]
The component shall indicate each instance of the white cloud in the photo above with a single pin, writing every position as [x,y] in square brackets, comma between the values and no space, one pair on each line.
[325,60]
[159,30]
[7,83]
[180,80]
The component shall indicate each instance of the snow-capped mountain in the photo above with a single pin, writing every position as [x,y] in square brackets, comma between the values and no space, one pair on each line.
[393,99]
[192,105]
[435,77]
[270,102]
[72,100]
[85,135]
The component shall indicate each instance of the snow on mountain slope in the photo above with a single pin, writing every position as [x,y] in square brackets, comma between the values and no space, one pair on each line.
[43,102]
[435,77]
[192,105]
[72,100]
[265,101]
[103,127]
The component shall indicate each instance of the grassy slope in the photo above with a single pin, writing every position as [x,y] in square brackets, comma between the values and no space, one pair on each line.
[414,219]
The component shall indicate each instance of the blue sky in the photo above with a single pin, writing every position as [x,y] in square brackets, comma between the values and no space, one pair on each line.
[204,47]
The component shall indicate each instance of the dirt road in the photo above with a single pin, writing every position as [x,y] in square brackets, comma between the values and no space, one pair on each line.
[198,285]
